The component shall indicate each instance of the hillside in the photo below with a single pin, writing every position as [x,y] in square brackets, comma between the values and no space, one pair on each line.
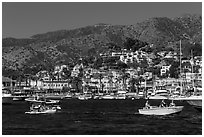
[66,46]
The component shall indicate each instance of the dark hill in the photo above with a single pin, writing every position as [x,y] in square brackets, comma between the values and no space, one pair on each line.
[66,46]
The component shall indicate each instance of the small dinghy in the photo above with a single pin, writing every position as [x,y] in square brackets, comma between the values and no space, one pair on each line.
[161,110]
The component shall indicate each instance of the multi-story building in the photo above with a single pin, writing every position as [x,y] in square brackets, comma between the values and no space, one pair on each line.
[8,82]
[55,85]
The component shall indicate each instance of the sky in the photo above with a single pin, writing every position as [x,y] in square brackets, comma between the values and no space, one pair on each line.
[24,19]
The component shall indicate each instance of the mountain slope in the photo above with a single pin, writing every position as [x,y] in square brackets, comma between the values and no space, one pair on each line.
[66,46]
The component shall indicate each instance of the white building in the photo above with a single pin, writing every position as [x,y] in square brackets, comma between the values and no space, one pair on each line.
[164,69]
[55,85]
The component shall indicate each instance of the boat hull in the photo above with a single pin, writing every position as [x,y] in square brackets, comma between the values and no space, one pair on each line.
[43,112]
[157,97]
[19,98]
[55,97]
[107,97]
[161,110]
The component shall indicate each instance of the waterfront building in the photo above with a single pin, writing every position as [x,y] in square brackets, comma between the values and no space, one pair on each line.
[55,84]
[36,83]
[8,82]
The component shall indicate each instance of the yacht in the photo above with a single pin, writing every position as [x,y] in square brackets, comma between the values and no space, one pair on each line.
[20,95]
[159,93]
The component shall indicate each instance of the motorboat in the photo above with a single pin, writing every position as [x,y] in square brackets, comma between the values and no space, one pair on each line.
[160,110]
[46,111]
[155,110]
[19,96]
[157,97]
[43,108]
[160,93]
[84,97]
[37,99]
[120,96]
[55,96]
[108,97]
[68,96]
[7,97]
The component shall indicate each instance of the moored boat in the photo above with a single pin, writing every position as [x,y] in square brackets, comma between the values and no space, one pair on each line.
[160,93]
[41,100]
[108,97]
[84,97]
[19,96]
[120,96]
[7,97]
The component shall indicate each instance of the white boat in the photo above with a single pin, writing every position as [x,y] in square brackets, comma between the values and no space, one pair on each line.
[68,96]
[7,97]
[84,97]
[108,97]
[154,110]
[42,108]
[48,111]
[120,96]
[55,96]
[41,100]
[157,97]
[160,93]
[19,96]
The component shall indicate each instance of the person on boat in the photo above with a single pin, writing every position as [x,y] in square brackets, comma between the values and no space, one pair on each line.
[32,107]
[163,104]
[172,104]
[147,105]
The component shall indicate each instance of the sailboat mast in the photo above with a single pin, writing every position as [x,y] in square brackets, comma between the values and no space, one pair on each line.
[180,69]
[192,74]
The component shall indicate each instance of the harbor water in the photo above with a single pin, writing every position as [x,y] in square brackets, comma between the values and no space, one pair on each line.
[100,117]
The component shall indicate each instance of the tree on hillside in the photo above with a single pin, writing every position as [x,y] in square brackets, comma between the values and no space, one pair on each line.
[174,70]
[133,44]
